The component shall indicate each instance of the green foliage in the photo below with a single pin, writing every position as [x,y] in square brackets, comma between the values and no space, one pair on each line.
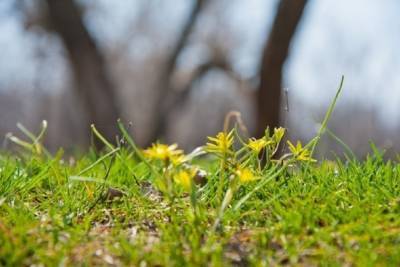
[233,201]
[331,212]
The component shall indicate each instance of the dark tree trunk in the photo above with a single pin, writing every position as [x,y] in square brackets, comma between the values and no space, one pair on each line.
[92,82]
[276,50]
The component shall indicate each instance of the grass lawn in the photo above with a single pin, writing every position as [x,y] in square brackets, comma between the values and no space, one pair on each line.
[222,205]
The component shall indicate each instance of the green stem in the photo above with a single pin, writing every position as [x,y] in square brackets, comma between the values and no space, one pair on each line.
[221,178]
[225,203]
[102,138]
[326,119]
[97,161]
[135,148]
[260,185]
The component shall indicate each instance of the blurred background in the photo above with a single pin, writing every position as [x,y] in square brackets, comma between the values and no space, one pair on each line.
[175,68]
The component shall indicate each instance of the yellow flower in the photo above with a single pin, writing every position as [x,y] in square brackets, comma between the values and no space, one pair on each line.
[165,152]
[278,134]
[221,143]
[257,145]
[184,178]
[178,159]
[245,175]
[300,152]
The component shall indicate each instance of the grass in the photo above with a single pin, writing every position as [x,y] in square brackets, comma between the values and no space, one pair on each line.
[332,213]
[235,201]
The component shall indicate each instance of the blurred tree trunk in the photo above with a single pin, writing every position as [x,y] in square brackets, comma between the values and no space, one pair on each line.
[276,50]
[165,95]
[92,82]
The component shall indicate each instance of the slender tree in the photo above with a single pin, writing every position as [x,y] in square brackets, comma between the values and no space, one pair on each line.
[275,52]
[93,85]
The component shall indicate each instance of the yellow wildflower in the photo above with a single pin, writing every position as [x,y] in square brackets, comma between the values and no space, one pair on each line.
[300,152]
[184,178]
[278,134]
[221,143]
[164,152]
[245,175]
[179,159]
[257,145]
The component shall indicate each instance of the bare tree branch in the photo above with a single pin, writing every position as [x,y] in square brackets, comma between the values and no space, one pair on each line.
[215,63]
[164,85]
